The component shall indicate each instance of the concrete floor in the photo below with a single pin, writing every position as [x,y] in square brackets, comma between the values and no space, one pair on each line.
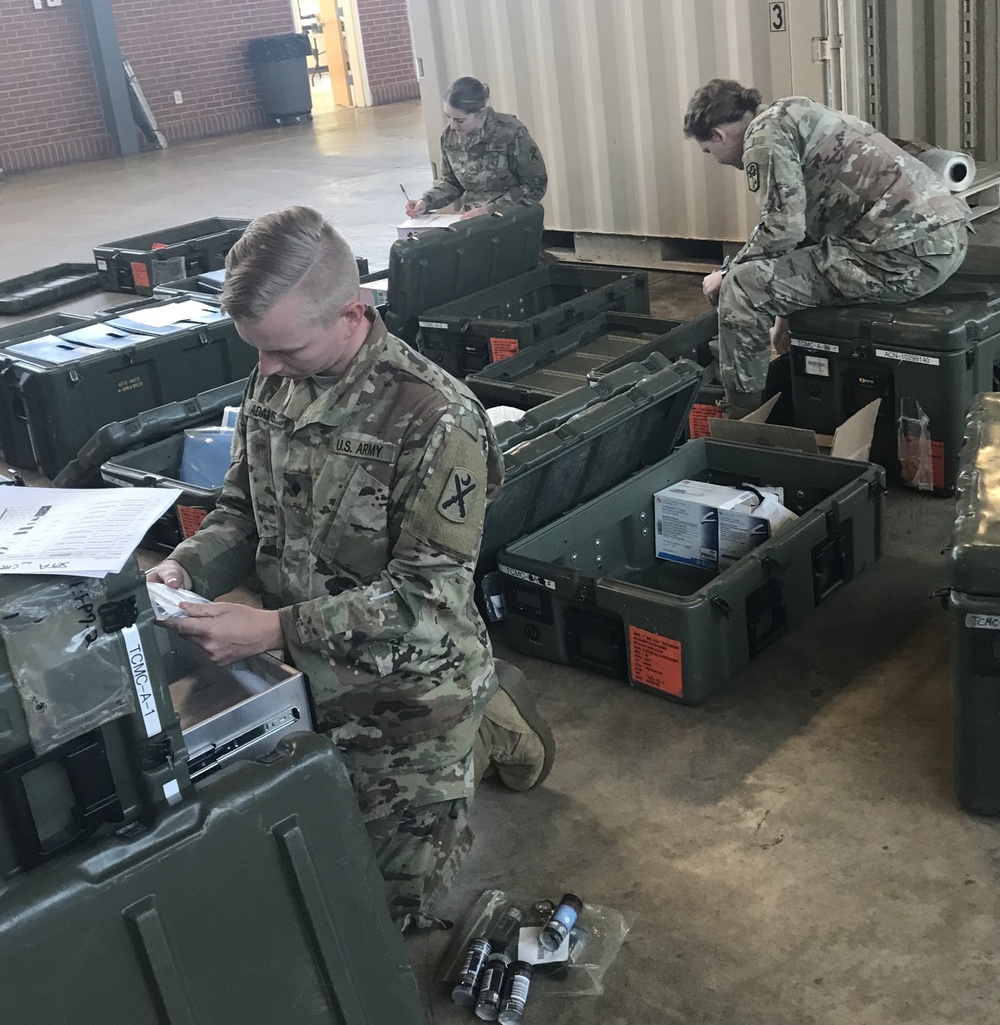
[791,852]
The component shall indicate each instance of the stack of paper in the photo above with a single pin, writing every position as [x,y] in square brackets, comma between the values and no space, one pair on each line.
[76,533]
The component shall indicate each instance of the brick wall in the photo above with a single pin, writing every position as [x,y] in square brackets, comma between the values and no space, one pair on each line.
[49,109]
[385,34]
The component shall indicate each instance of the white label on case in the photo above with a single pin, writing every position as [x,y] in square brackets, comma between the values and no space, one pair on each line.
[907,357]
[102,264]
[140,677]
[818,366]
[532,578]
[433,323]
[808,343]
[980,622]
[172,791]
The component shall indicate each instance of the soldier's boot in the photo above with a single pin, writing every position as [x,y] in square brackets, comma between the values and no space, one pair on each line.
[513,739]
[736,404]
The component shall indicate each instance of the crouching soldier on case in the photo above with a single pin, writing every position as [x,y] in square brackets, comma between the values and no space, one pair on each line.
[360,477]
[846,217]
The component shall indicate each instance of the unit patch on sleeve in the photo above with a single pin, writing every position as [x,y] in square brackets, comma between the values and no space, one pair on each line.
[457,498]
[753,176]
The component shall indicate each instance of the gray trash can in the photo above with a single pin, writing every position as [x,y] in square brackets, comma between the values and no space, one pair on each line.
[280,65]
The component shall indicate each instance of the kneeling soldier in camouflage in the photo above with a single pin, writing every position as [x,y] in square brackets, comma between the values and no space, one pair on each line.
[846,217]
[360,477]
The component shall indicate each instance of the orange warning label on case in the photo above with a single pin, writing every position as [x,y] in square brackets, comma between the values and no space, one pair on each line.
[140,275]
[190,518]
[937,463]
[503,348]
[655,661]
[698,418]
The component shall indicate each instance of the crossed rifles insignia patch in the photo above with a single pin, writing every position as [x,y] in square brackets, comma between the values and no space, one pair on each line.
[457,497]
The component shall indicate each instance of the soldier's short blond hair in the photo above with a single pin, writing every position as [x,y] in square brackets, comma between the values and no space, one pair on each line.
[719,102]
[290,251]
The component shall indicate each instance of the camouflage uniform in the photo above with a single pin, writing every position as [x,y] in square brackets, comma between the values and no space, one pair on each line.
[846,216]
[358,504]
[497,163]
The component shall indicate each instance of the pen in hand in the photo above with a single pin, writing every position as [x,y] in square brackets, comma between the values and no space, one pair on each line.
[403,190]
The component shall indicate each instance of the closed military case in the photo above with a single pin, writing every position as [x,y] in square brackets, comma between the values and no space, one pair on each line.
[140,263]
[588,590]
[940,351]
[257,900]
[439,266]
[974,605]
[572,358]
[91,742]
[571,448]
[466,335]
[43,287]
[54,407]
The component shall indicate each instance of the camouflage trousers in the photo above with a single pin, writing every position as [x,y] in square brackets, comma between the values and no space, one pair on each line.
[832,273]
[418,853]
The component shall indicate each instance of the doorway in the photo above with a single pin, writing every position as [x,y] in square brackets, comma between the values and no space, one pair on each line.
[330,73]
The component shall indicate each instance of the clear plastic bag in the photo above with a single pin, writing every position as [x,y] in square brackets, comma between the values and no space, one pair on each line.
[914,445]
[606,930]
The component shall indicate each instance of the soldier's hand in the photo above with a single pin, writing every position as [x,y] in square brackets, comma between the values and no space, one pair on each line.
[711,286]
[781,339]
[171,573]
[228,631]
[416,207]
[475,211]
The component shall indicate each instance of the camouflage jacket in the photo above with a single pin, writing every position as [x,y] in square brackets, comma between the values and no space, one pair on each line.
[817,172]
[358,504]
[497,163]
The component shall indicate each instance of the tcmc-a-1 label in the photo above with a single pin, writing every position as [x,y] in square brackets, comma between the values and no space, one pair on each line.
[977,621]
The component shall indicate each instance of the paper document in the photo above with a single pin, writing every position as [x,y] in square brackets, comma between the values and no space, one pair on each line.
[424,222]
[76,533]
[172,313]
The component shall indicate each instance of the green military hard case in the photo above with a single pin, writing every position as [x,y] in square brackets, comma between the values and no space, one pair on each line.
[257,900]
[588,590]
[44,287]
[141,263]
[158,465]
[974,604]
[467,334]
[938,351]
[571,358]
[439,266]
[90,743]
[53,408]
[573,447]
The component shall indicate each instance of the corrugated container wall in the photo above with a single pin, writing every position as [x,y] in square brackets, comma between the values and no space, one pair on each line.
[925,70]
[603,84]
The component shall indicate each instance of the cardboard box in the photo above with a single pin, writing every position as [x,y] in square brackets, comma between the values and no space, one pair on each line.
[851,440]
[375,293]
[426,222]
[706,525]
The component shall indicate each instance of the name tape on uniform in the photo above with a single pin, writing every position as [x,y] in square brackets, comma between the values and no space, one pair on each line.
[907,357]
[808,343]
[531,578]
